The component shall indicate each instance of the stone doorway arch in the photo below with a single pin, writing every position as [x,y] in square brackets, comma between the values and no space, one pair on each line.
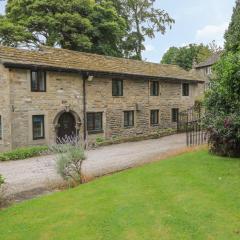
[67,124]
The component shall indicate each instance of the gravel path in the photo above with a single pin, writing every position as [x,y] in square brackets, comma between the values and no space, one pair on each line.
[40,172]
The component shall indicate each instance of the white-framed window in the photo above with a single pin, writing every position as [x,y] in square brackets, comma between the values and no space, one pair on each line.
[1,128]
[208,70]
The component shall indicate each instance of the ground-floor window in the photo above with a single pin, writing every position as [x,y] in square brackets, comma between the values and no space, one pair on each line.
[38,127]
[1,127]
[175,113]
[128,118]
[94,122]
[154,118]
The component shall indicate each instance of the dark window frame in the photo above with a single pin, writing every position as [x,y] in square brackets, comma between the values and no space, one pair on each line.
[185,91]
[38,81]
[117,94]
[175,115]
[94,130]
[43,120]
[129,124]
[1,128]
[151,117]
[154,88]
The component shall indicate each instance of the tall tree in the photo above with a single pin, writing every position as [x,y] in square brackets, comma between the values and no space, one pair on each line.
[144,20]
[82,25]
[186,56]
[232,35]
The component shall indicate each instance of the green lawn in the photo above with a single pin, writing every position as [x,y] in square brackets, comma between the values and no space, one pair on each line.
[191,196]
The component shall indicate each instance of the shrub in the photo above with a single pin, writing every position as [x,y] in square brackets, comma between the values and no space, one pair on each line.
[23,153]
[70,156]
[2,196]
[69,164]
[224,135]
[223,107]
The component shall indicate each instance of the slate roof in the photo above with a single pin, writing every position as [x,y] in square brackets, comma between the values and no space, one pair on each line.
[86,62]
[210,61]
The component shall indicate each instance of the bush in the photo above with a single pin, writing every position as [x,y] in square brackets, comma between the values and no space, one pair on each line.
[224,135]
[70,156]
[223,107]
[23,153]
[69,164]
[2,195]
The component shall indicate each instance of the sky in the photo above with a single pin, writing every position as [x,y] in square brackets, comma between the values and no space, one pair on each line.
[196,22]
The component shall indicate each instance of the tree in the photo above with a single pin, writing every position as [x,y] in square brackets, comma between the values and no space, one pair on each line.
[232,35]
[144,20]
[186,56]
[82,25]
[223,107]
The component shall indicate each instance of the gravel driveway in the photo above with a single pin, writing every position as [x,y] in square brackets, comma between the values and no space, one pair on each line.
[40,172]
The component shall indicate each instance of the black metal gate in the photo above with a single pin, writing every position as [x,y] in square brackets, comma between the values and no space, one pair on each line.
[191,122]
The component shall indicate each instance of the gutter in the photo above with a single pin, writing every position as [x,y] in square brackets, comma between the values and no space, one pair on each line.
[97,73]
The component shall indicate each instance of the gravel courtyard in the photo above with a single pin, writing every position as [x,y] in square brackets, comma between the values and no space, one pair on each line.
[39,173]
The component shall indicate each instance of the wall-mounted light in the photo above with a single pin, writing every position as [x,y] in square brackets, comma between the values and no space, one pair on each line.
[90,78]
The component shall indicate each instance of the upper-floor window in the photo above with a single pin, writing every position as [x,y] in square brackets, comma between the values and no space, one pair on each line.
[1,127]
[128,118]
[208,70]
[94,122]
[185,89]
[38,127]
[38,81]
[154,88]
[117,87]
[175,113]
[154,118]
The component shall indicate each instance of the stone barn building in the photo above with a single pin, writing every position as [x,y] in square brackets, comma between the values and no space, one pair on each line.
[51,93]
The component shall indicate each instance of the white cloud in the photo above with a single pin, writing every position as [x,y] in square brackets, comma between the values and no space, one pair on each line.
[212,32]
[149,48]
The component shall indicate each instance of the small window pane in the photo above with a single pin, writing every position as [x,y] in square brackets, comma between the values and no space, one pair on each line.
[128,118]
[0,127]
[34,81]
[185,89]
[154,117]
[175,113]
[38,127]
[94,122]
[154,88]
[117,87]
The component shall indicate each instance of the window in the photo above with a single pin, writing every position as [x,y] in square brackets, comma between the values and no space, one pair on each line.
[128,118]
[185,89]
[94,122]
[154,117]
[175,112]
[208,70]
[38,127]
[38,81]
[154,88]
[0,127]
[117,87]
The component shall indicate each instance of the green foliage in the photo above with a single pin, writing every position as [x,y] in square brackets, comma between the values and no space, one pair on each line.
[23,153]
[82,25]
[186,56]
[232,35]
[69,164]
[223,106]
[190,196]
[143,20]
[2,180]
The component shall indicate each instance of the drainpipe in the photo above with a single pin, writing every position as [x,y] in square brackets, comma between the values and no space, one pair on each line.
[84,77]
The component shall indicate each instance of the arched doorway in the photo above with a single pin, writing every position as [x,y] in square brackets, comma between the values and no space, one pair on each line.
[66,126]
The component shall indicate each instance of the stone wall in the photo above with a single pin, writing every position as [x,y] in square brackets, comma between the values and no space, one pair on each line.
[5,109]
[65,91]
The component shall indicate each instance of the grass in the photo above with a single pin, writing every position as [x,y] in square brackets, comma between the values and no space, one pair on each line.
[191,196]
